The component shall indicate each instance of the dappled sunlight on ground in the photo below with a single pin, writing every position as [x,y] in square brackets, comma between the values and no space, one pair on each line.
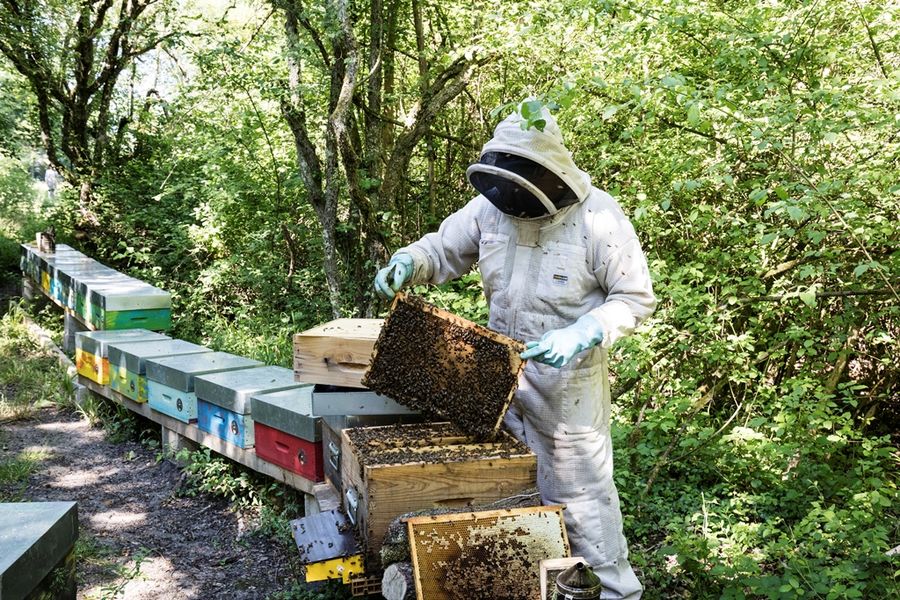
[140,539]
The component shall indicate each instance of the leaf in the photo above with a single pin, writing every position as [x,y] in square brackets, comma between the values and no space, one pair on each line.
[693,114]
[759,196]
[796,213]
[809,295]
[531,108]
[860,269]
[610,111]
[671,81]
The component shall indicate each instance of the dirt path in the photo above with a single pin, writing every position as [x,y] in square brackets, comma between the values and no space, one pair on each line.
[127,507]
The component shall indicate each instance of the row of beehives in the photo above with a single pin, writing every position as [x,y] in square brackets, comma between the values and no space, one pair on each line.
[239,400]
[313,428]
[101,296]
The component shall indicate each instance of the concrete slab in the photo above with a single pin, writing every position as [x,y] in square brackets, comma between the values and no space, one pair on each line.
[34,538]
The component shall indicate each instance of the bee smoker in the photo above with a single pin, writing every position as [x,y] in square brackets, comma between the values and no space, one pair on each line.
[46,241]
[578,582]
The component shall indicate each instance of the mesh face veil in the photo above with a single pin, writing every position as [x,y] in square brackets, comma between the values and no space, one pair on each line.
[519,186]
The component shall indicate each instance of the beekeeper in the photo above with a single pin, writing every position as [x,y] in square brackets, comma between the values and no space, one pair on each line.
[563,270]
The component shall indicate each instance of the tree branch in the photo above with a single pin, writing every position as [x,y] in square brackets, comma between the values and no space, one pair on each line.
[446,86]
[871,40]
[826,294]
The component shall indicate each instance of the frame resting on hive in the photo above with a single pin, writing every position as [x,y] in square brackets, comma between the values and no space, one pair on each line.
[491,555]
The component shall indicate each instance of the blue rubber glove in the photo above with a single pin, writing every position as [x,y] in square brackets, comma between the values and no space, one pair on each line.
[558,346]
[390,279]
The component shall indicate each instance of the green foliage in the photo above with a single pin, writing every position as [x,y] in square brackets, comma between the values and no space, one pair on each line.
[15,471]
[462,296]
[754,146]
[274,503]
[30,377]
[16,104]
[330,590]
[755,422]
[20,213]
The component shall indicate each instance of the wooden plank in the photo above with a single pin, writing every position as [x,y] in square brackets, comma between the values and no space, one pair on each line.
[337,352]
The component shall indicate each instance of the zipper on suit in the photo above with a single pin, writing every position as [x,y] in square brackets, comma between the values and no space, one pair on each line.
[524,245]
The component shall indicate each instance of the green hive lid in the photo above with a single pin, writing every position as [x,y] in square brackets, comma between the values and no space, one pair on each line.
[232,389]
[96,342]
[288,411]
[34,538]
[134,354]
[178,372]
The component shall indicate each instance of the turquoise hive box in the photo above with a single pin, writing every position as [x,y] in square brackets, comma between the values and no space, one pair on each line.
[59,289]
[170,381]
[223,400]
[128,363]
[70,275]
[37,539]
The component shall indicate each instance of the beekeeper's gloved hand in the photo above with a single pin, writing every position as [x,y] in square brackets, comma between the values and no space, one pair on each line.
[391,278]
[558,346]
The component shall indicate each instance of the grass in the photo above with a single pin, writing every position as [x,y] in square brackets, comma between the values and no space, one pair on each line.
[31,378]
[15,472]
[115,570]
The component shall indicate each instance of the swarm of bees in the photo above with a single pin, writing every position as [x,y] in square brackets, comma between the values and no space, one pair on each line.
[444,367]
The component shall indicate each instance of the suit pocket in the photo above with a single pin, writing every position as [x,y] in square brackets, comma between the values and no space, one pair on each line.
[492,251]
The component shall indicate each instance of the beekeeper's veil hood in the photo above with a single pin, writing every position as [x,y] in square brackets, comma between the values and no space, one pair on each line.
[528,173]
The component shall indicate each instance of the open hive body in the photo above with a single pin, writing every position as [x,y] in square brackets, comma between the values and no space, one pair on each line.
[388,471]
[489,555]
[443,365]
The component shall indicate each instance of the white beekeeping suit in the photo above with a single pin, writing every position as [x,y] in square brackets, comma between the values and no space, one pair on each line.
[559,260]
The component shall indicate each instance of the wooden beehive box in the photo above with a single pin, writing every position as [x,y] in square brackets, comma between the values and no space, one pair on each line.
[486,554]
[336,353]
[445,366]
[396,469]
